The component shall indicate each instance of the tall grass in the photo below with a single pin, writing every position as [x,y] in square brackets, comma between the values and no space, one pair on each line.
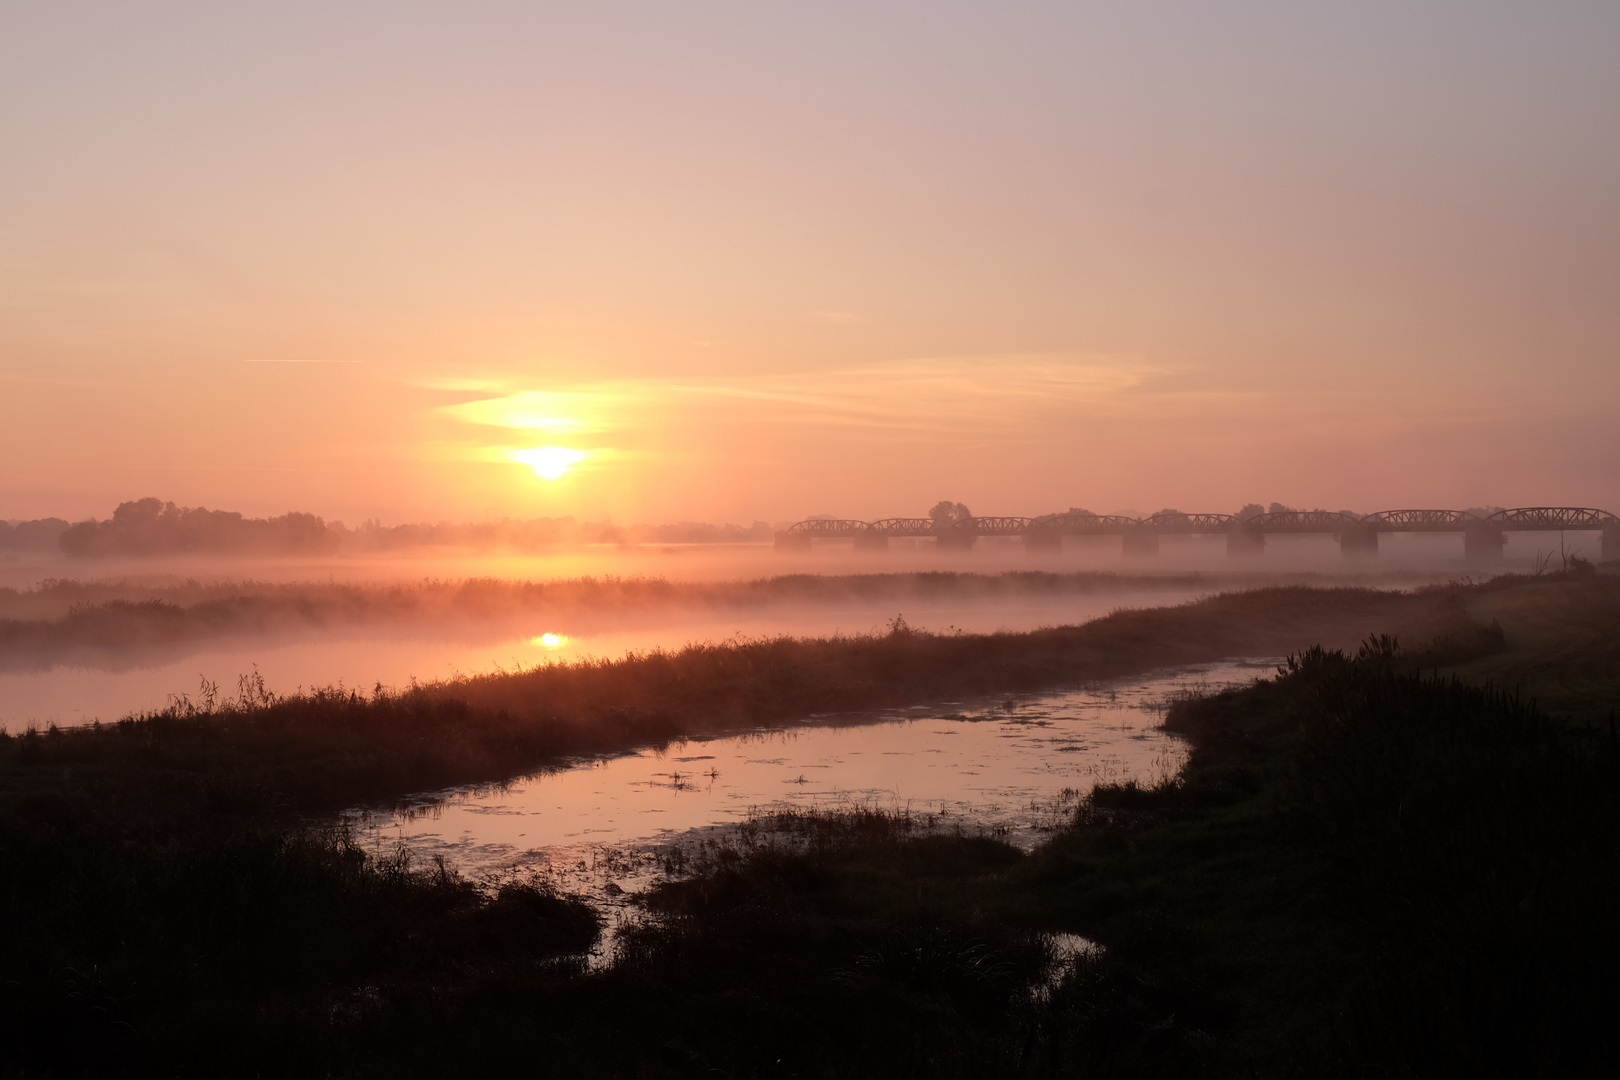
[1478,841]
[1368,869]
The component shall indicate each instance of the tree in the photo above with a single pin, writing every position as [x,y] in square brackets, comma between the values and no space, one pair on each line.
[946,512]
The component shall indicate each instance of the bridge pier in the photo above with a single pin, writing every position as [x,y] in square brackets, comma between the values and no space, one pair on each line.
[1358,543]
[1483,544]
[1610,547]
[1044,540]
[786,541]
[956,540]
[871,541]
[1245,543]
[1140,542]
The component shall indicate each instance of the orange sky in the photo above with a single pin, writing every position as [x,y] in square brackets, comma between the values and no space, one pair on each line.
[760,261]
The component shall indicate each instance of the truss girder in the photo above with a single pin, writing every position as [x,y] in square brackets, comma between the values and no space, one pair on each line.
[1088,524]
[906,527]
[823,527]
[1421,520]
[1549,518]
[1001,526]
[1302,521]
[1192,523]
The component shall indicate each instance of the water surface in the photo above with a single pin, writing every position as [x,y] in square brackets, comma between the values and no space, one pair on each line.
[117,684]
[1014,767]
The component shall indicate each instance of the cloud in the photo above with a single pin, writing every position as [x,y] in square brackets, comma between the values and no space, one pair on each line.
[559,412]
[1100,403]
[935,398]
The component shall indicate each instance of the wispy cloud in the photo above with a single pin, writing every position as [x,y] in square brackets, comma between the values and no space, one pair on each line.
[562,412]
[952,398]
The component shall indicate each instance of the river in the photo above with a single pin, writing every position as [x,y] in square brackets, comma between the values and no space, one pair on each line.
[117,684]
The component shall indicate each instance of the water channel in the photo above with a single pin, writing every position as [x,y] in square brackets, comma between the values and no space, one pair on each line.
[1014,768]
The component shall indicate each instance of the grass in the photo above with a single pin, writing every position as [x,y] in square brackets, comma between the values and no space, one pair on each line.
[1563,640]
[1365,871]
[1367,868]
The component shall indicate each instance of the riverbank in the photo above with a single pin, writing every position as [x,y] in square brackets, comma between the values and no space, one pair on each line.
[273,758]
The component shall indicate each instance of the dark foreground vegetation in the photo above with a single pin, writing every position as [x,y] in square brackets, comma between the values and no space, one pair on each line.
[1367,869]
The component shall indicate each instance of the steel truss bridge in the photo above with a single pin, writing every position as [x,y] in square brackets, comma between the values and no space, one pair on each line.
[1356,534]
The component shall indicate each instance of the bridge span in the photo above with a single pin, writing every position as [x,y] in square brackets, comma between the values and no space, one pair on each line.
[1357,534]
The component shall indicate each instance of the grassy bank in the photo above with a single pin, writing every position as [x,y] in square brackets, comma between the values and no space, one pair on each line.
[1366,869]
[257,756]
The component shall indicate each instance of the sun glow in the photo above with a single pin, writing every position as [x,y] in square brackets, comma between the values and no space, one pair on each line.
[550,641]
[550,462]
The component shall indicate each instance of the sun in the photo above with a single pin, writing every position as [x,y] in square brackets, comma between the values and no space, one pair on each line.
[550,462]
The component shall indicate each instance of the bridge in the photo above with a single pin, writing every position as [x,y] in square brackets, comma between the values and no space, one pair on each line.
[1357,534]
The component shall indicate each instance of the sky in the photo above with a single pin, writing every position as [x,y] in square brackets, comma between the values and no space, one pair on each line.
[738,261]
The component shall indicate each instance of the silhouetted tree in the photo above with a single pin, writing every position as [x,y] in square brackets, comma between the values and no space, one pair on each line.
[946,512]
[153,527]
[37,535]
